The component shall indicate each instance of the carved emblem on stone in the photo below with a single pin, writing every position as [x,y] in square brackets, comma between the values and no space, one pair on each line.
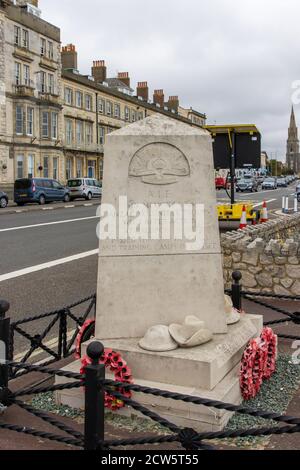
[159,163]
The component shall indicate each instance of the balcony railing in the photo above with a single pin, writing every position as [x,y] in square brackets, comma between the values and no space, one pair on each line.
[48,62]
[23,53]
[47,93]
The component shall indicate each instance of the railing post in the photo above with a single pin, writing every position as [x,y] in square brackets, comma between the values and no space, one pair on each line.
[236,290]
[94,398]
[4,349]
[62,345]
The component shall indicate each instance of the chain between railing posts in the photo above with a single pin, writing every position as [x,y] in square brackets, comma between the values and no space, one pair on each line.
[94,398]
[4,349]
[236,290]
[62,345]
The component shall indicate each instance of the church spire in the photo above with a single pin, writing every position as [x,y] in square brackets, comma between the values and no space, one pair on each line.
[293,130]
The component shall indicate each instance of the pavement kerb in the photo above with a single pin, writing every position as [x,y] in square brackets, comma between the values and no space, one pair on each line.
[18,210]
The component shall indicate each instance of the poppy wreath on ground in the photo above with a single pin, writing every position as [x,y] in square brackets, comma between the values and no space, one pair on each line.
[79,338]
[114,362]
[258,363]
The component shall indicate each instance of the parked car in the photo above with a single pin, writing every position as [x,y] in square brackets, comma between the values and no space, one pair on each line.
[220,182]
[84,188]
[269,183]
[3,200]
[281,182]
[39,190]
[247,184]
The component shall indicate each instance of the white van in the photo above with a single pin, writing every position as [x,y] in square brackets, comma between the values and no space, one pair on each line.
[84,188]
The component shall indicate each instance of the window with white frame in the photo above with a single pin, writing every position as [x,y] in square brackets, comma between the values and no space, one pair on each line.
[51,83]
[45,124]
[19,120]
[42,82]
[26,74]
[101,134]
[54,122]
[55,167]
[29,121]
[88,102]
[43,46]
[117,111]
[69,168]
[79,167]
[69,131]
[126,113]
[108,108]
[79,129]
[17,36]
[78,99]
[133,115]
[89,133]
[20,166]
[101,106]
[50,50]
[68,96]
[18,73]
[30,166]
[46,167]
[25,38]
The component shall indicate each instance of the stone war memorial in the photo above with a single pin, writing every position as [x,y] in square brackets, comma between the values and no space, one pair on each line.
[160,302]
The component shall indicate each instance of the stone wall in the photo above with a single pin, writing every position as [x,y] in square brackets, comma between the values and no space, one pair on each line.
[267,255]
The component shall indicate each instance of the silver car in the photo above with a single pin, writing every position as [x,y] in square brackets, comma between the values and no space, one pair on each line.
[84,188]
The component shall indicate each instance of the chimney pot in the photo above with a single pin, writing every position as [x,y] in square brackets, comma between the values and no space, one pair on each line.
[69,57]
[124,77]
[99,71]
[159,98]
[142,90]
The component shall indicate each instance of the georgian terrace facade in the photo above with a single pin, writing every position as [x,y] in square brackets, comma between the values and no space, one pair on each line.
[53,120]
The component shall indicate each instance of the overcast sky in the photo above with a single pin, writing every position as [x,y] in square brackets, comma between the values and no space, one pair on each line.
[233,60]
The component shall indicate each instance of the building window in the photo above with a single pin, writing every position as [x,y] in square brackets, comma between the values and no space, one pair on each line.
[101,133]
[126,113]
[51,83]
[29,122]
[101,106]
[89,133]
[108,108]
[79,166]
[133,115]
[41,77]
[30,166]
[88,102]
[69,131]
[50,50]
[20,166]
[91,169]
[68,168]
[26,72]
[78,99]
[54,121]
[18,77]
[55,168]
[79,127]
[17,36]
[45,124]
[117,111]
[46,167]
[19,120]
[140,115]
[68,96]
[25,38]
[43,46]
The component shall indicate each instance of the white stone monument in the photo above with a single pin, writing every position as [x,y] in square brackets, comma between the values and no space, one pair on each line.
[147,282]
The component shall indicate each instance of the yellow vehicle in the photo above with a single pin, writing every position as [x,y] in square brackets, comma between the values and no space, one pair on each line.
[233,212]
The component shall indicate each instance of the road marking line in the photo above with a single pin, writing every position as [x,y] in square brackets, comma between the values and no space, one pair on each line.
[88,205]
[50,344]
[48,208]
[261,203]
[69,207]
[49,264]
[10,229]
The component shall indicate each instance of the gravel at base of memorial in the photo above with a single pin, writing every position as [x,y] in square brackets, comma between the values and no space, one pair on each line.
[275,396]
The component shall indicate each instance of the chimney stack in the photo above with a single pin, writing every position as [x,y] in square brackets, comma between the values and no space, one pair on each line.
[159,98]
[69,57]
[99,71]
[124,77]
[142,90]
[173,103]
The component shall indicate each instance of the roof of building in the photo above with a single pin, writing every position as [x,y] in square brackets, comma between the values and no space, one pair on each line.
[78,78]
[117,83]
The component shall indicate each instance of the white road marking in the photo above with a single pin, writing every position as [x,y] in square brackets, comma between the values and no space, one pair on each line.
[10,229]
[69,207]
[261,203]
[49,264]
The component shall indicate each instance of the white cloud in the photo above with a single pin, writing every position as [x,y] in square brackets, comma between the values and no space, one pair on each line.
[233,60]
